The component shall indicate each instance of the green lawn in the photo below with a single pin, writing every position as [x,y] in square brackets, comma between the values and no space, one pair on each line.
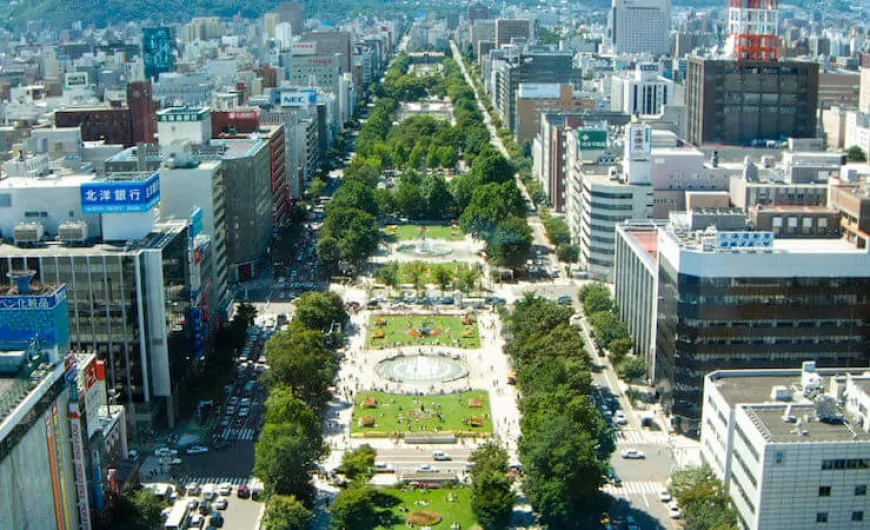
[428,275]
[421,414]
[405,232]
[458,511]
[403,331]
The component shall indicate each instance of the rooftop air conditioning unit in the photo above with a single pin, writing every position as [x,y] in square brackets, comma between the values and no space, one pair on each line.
[28,233]
[73,232]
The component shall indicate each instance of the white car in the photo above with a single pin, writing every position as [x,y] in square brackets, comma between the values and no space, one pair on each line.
[632,454]
[620,418]
[197,521]
[664,496]
[226,489]
[192,489]
[165,451]
[426,468]
[197,450]
[221,503]
[441,456]
[674,511]
[243,412]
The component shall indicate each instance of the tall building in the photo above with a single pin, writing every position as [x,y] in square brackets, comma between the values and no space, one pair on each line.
[477,12]
[791,446]
[864,96]
[510,31]
[270,24]
[752,30]
[744,102]
[641,91]
[158,50]
[639,26]
[294,13]
[140,100]
[533,99]
[333,42]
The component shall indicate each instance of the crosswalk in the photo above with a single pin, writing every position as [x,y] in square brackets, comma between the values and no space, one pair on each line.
[217,481]
[643,487]
[632,437]
[238,434]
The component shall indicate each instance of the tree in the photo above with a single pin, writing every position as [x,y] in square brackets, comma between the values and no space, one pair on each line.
[139,509]
[283,407]
[284,456]
[410,200]
[511,243]
[359,463]
[437,199]
[320,309]
[557,230]
[632,368]
[414,272]
[354,508]
[608,327]
[595,297]
[355,194]
[703,500]
[448,156]
[442,275]
[469,276]
[856,154]
[492,499]
[490,456]
[299,359]
[490,205]
[417,158]
[568,253]
[388,274]
[386,201]
[491,167]
[329,253]
[619,348]
[285,512]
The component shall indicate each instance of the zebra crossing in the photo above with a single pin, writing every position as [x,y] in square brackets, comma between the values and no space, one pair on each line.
[238,434]
[643,487]
[217,481]
[632,437]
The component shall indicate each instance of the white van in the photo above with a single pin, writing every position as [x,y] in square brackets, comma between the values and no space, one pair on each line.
[209,492]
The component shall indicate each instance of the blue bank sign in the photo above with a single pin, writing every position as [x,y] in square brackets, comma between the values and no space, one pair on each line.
[121,196]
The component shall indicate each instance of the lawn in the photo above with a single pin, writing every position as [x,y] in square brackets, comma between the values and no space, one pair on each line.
[428,276]
[421,414]
[390,331]
[406,232]
[458,510]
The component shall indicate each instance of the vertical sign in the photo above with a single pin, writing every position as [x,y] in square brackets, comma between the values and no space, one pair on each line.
[55,479]
[64,495]
[79,471]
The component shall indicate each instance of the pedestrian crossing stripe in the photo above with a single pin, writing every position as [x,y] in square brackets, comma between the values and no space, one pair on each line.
[634,488]
[630,437]
[217,481]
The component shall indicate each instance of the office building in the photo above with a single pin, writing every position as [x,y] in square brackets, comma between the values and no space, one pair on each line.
[270,24]
[839,88]
[483,30]
[315,71]
[477,12]
[639,27]
[512,31]
[747,102]
[158,51]
[533,99]
[116,122]
[864,94]
[752,30]
[857,130]
[333,42]
[641,91]
[790,445]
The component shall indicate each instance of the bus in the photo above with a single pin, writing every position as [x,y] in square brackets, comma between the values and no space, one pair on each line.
[179,517]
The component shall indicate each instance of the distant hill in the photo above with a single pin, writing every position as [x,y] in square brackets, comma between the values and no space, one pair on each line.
[104,12]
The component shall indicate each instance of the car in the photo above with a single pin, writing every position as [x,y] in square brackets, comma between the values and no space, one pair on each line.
[426,468]
[243,492]
[244,411]
[675,514]
[173,461]
[225,489]
[197,450]
[620,418]
[246,402]
[221,503]
[447,300]
[665,496]
[197,521]
[205,508]
[193,503]
[565,299]
[216,520]
[633,454]
[441,456]
[192,489]
[231,409]
[165,451]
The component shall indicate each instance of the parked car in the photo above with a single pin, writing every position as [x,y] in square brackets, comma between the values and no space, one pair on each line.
[441,456]
[565,299]
[165,451]
[633,454]
[243,492]
[192,488]
[226,489]
[197,450]
[426,468]
[197,521]
[664,496]
[221,503]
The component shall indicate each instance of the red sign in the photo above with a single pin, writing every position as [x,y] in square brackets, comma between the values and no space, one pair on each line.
[244,115]
[91,376]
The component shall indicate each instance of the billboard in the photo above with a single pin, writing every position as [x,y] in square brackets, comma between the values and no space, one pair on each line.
[739,240]
[198,335]
[94,388]
[639,141]
[29,303]
[196,226]
[592,138]
[79,471]
[304,48]
[297,99]
[121,196]
[75,79]
[158,47]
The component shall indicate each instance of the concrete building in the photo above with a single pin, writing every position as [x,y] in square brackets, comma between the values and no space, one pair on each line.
[512,31]
[745,102]
[848,195]
[791,446]
[477,12]
[839,88]
[641,91]
[834,127]
[864,90]
[188,88]
[796,221]
[319,70]
[294,13]
[533,99]
[639,27]
[483,30]
[184,124]
[332,42]
[857,130]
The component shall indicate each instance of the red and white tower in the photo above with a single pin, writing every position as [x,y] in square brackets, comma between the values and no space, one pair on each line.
[752,29]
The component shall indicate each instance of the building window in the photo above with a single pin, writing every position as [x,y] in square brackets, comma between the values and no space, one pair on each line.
[822,517]
[861,490]
[857,516]
[780,457]
[824,491]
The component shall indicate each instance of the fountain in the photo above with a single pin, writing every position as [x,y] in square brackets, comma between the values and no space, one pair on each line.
[426,248]
[422,369]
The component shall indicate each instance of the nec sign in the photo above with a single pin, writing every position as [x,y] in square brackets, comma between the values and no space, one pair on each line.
[120,196]
[298,99]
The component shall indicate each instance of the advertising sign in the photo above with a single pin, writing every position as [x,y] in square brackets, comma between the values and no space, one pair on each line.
[55,479]
[244,115]
[304,48]
[120,196]
[79,470]
[592,138]
[29,303]
[639,141]
[298,98]
[196,223]
[198,335]
[94,384]
[738,240]
[75,79]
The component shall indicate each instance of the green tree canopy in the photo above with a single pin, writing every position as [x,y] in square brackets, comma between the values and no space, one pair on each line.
[856,154]
[285,512]
[284,454]
[489,456]
[511,243]
[299,359]
[492,500]
[320,309]
[354,508]
[359,463]
[283,407]
[355,194]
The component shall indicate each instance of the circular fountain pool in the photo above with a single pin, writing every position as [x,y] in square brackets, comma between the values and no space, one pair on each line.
[426,248]
[422,369]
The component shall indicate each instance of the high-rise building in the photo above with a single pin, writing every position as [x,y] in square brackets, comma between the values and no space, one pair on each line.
[641,91]
[294,13]
[509,31]
[752,30]
[270,24]
[640,26]
[477,12]
[864,96]
[140,101]
[791,446]
[158,50]
[746,102]
[333,42]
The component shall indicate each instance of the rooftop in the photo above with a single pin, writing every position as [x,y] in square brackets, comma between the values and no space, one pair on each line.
[769,420]
[163,232]
[15,386]
[36,289]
